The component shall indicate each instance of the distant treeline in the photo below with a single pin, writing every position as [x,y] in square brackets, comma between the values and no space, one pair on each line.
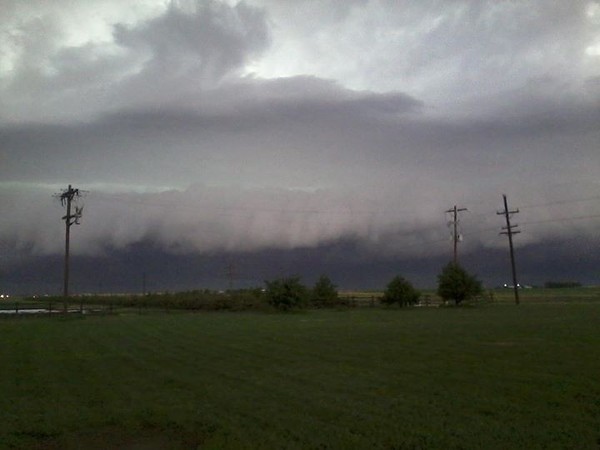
[286,293]
[200,300]
[561,284]
[196,300]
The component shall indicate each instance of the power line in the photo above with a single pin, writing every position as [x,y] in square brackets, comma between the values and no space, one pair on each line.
[563,219]
[561,202]
[237,210]
[348,211]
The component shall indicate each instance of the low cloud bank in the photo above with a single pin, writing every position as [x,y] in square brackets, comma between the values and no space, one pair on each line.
[205,220]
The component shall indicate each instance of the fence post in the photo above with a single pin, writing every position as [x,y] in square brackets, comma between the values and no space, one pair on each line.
[50,308]
[17,308]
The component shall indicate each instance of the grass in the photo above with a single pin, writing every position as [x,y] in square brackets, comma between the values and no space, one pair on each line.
[492,376]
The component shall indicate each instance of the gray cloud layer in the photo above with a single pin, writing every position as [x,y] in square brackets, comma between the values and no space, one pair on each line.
[394,113]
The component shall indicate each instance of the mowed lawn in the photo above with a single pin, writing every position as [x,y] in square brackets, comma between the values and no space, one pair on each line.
[496,376]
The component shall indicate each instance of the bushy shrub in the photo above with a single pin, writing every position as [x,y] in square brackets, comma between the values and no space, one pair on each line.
[454,283]
[286,293]
[400,291]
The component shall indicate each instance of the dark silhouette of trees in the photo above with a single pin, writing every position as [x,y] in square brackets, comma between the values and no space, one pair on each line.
[454,283]
[324,292]
[400,291]
[286,293]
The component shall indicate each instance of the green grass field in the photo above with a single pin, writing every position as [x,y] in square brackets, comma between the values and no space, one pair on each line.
[490,376]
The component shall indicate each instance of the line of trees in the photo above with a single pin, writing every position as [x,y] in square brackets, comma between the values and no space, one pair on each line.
[289,293]
[455,284]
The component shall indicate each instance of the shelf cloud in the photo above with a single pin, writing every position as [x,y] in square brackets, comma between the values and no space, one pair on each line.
[210,127]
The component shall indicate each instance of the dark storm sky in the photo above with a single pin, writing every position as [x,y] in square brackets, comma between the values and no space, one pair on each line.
[298,137]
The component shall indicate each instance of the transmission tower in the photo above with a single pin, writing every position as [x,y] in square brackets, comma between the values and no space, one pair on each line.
[456,237]
[510,230]
[231,274]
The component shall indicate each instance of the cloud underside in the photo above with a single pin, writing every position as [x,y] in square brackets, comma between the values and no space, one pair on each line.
[208,127]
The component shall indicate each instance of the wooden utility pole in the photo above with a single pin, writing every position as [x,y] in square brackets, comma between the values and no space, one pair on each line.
[510,231]
[455,235]
[67,199]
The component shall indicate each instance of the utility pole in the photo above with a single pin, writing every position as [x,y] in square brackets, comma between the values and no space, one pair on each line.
[510,231]
[67,198]
[455,235]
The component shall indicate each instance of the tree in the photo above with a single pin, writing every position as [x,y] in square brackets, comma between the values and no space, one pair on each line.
[454,283]
[286,293]
[324,292]
[400,291]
